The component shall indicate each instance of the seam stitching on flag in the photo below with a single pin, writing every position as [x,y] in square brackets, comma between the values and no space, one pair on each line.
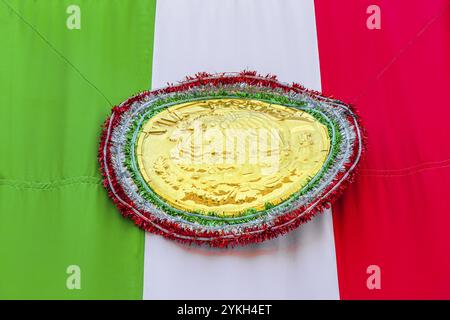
[394,59]
[65,59]
[419,170]
[430,164]
[50,185]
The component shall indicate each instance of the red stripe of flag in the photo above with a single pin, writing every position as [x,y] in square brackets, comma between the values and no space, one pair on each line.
[397,214]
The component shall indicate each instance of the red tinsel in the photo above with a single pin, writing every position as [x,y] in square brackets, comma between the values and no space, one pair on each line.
[258,233]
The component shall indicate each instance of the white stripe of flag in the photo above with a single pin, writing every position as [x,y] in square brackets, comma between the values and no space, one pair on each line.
[269,36]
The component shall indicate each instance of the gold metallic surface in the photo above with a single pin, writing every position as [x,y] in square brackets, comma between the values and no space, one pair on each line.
[230,155]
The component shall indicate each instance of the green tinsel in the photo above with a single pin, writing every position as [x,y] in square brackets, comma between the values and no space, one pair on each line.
[204,218]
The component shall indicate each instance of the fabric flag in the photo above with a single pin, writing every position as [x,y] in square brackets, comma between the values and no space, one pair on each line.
[64,64]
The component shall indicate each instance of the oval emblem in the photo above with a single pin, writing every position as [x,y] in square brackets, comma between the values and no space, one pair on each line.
[227,159]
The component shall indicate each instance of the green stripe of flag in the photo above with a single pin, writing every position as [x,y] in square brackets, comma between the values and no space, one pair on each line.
[57,86]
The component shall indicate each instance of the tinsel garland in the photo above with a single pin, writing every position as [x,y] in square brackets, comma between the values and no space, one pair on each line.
[152,214]
[193,216]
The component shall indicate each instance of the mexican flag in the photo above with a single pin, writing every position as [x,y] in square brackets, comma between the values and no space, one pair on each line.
[65,63]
